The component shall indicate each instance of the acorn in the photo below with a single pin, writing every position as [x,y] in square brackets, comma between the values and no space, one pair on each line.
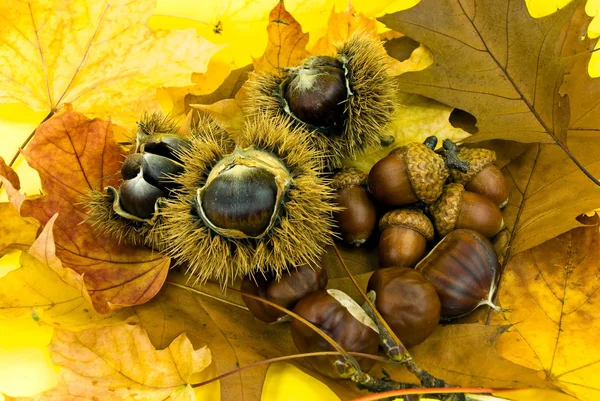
[358,218]
[338,316]
[341,103]
[408,174]
[257,203]
[462,267]
[457,208]
[287,291]
[407,301]
[483,177]
[404,236]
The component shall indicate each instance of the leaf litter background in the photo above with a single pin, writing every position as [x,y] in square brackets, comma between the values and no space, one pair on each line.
[67,275]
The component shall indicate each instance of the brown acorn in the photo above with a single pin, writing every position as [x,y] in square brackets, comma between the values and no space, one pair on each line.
[462,267]
[337,315]
[408,174]
[293,285]
[483,177]
[407,301]
[457,208]
[404,236]
[358,218]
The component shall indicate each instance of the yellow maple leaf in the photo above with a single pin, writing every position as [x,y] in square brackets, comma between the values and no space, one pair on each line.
[99,56]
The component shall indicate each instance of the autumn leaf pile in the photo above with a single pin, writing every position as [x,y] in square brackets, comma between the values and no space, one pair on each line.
[125,326]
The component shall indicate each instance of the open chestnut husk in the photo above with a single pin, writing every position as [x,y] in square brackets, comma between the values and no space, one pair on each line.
[407,301]
[462,267]
[337,315]
[286,291]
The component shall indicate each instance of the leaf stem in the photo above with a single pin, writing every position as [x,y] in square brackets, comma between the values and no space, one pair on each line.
[28,139]
[453,390]
[287,358]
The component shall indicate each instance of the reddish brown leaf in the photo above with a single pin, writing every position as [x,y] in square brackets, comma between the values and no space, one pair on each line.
[287,43]
[74,155]
[9,174]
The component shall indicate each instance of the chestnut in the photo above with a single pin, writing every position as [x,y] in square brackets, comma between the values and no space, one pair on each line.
[243,194]
[462,267]
[404,236]
[358,218]
[457,208]
[407,301]
[285,291]
[338,316]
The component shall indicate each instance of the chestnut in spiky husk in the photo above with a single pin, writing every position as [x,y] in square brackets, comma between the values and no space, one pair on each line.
[462,267]
[358,218]
[287,291]
[483,177]
[457,208]
[407,301]
[404,236]
[259,203]
[342,102]
[129,213]
[337,315]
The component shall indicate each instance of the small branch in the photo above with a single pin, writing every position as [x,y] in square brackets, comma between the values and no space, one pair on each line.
[288,358]
[455,390]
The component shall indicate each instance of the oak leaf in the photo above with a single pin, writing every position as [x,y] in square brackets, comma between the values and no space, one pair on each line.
[550,294]
[99,56]
[119,362]
[74,155]
[48,291]
[518,76]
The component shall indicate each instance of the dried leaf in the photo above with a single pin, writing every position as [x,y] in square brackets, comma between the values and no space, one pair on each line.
[415,119]
[48,291]
[340,27]
[15,231]
[227,114]
[119,362]
[9,174]
[287,43]
[551,296]
[464,354]
[74,155]
[89,52]
[505,67]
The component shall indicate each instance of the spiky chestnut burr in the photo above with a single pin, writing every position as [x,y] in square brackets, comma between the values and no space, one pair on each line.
[483,177]
[358,218]
[457,208]
[130,212]
[342,102]
[257,205]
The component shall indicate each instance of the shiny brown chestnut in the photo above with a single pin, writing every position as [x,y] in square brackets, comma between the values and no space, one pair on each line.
[357,220]
[338,316]
[291,287]
[404,236]
[316,91]
[462,267]
[407,301]
[457,208]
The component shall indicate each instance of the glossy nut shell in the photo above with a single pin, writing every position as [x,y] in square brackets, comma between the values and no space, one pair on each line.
[343,321]
[462,268]
[407,301]
[287,291]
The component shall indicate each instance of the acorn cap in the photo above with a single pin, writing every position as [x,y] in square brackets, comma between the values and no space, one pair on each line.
[446,209]
[478,160]
[409,218]
[426,170]
[348,177]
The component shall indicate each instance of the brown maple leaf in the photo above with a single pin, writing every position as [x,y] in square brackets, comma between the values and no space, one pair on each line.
[74,155]
[522,78]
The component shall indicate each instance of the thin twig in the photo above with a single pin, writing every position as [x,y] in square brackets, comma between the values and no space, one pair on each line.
[454,390]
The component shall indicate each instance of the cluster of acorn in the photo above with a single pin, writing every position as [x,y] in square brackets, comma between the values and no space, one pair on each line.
[412,291]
